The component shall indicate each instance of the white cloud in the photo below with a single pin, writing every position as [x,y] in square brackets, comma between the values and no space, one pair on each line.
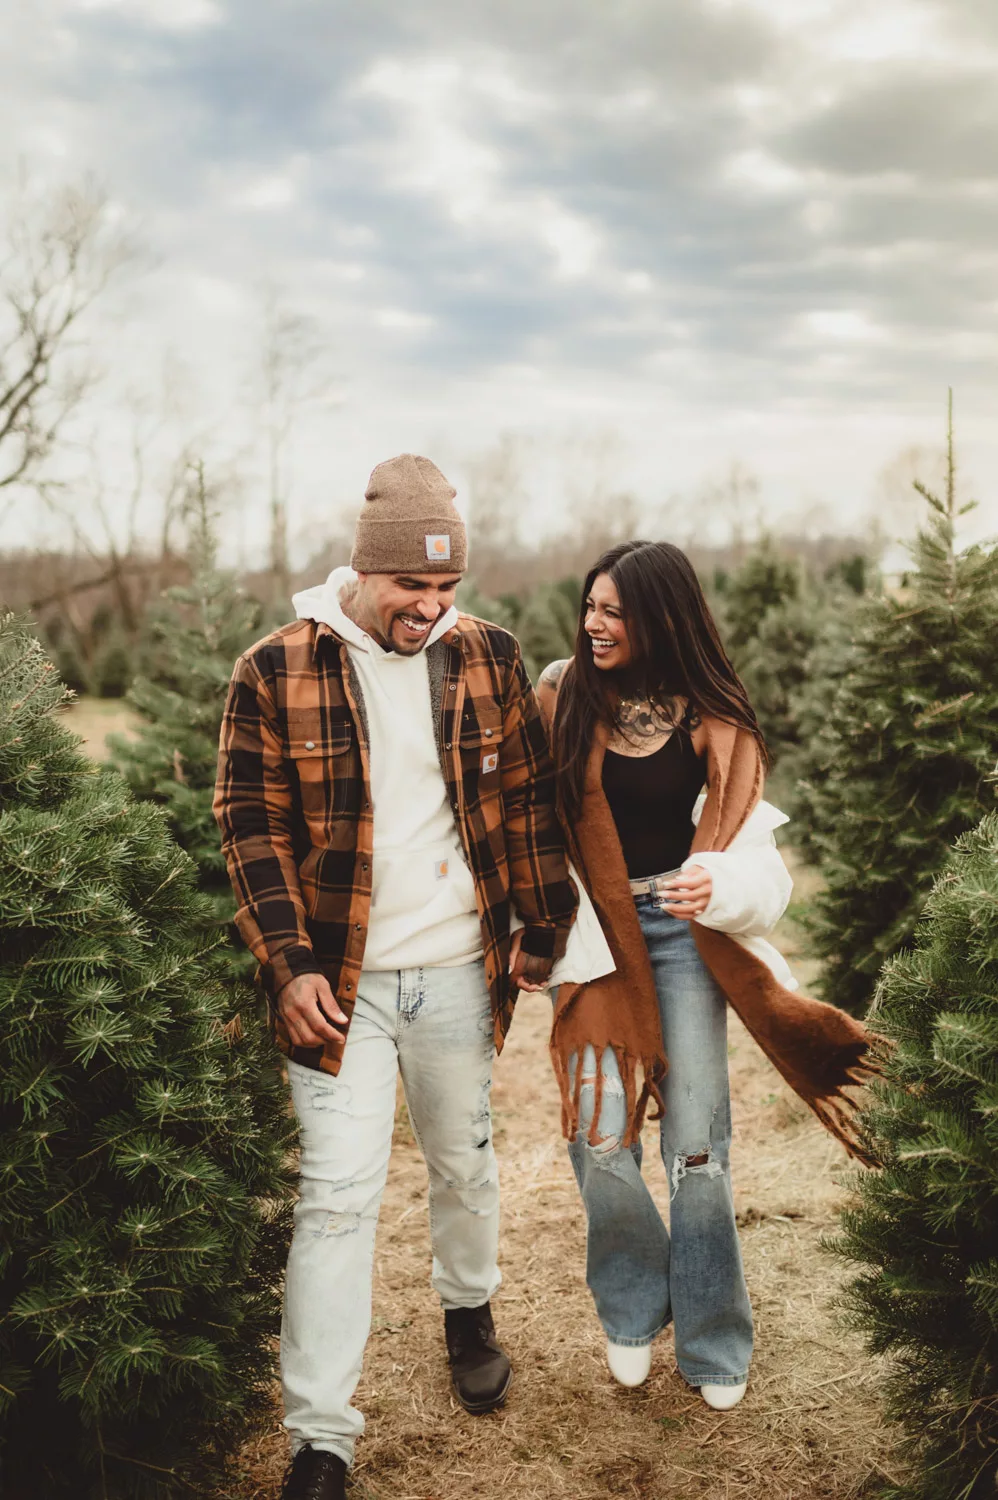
[399,320]
[443,108]
[758,170]
[169,15]
[277,191]
[217,295]
[842,325]
[855,29]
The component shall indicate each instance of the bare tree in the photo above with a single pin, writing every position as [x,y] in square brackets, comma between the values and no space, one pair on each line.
[896,509]
[120,500]
[61,254]
[498,496]
[733,504]
[291,378]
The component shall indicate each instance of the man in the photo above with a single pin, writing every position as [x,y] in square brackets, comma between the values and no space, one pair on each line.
[386,802]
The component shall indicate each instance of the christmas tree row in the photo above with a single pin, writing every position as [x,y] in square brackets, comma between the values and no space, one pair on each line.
[144,1136]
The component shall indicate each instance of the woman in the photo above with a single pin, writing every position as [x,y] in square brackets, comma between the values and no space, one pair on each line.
[647,714]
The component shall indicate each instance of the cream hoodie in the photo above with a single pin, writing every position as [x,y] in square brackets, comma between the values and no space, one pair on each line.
[423,908]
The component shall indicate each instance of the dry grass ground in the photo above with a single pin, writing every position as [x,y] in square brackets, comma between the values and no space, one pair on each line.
[95,719]
[808,1428]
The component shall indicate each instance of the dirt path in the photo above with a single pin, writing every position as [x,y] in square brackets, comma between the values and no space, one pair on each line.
[808,1428]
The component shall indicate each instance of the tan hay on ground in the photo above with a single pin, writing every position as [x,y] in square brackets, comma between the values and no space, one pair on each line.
[95,719]
[809,1427]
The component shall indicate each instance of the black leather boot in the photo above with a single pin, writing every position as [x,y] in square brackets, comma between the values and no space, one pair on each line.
[479,1369]
[315,1476]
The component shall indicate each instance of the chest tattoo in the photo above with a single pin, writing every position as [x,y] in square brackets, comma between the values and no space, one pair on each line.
[643,726]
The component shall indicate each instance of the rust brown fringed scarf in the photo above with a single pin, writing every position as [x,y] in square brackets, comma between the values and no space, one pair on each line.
[818,1049]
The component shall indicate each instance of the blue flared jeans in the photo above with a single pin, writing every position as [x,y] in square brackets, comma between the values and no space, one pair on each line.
[641,1274]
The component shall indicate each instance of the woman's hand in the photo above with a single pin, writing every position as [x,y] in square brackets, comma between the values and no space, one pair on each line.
[526,970]
[687,894]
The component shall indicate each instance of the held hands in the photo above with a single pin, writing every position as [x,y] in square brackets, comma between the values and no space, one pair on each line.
[526,970]
[308,1007]
[686,895]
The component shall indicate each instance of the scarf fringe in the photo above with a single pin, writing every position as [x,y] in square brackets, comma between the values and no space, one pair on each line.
[635,1102]
[837,1110]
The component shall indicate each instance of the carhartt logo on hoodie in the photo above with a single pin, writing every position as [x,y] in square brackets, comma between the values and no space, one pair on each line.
[438,548]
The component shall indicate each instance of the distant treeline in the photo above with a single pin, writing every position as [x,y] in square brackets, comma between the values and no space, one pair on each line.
[92,611]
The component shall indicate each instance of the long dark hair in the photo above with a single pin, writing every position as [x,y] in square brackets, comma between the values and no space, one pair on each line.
[676,652]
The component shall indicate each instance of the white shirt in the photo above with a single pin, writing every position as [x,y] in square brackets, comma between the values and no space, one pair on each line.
[423,908]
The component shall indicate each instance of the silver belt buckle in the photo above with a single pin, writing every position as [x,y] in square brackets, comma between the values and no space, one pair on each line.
[647,886]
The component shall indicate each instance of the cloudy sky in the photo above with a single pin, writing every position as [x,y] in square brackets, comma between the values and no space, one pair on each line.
[687,234]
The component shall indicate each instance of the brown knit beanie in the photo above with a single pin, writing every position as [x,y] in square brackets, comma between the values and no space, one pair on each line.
[409,523]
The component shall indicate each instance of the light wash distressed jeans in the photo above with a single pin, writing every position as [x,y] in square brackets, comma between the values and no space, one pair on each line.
[641,1278]
[436,1026]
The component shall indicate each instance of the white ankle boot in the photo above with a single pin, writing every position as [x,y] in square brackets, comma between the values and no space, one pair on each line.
[629,1363]
[722,1397]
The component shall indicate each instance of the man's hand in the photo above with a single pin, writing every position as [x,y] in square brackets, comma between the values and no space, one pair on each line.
[687,894]
[308,1007]
[526,970]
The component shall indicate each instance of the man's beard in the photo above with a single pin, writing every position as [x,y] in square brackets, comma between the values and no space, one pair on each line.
[408,647]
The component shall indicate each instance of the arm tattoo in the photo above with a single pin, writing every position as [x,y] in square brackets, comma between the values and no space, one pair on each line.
[552,675]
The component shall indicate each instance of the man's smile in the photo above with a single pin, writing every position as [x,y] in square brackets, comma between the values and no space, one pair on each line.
[415,624]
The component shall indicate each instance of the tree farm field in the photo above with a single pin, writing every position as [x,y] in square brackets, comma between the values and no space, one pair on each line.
[809,1427]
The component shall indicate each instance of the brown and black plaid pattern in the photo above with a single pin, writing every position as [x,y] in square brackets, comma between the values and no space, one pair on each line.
[293,801]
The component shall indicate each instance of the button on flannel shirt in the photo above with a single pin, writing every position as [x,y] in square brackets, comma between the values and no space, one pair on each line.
[293,802]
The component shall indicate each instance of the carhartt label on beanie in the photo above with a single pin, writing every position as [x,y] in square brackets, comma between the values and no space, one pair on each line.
[409,523]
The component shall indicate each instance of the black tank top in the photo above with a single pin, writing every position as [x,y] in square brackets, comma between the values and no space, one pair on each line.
[651,798]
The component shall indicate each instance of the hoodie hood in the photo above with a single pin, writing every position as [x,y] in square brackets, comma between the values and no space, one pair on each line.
[322,603]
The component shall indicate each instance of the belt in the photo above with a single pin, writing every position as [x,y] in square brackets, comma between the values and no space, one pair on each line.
[648,884]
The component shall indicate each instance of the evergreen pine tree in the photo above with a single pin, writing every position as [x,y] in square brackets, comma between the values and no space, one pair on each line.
[472,601]
[926,1226]
[812,698]
[547,624]
[544,621]
[779,620]
[193,638]
[144,1194]
[900,765]
[762,582]
[776,663]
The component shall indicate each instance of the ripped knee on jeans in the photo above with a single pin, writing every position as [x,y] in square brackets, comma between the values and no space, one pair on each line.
[601,1143]
[603,1152]
[334,1224]
[703,1162]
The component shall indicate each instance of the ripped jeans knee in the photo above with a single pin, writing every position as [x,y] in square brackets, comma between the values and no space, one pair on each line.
[704,1163]
[612,1122]
[330,1211]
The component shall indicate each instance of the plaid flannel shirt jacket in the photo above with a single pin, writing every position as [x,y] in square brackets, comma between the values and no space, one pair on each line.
[293,802]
